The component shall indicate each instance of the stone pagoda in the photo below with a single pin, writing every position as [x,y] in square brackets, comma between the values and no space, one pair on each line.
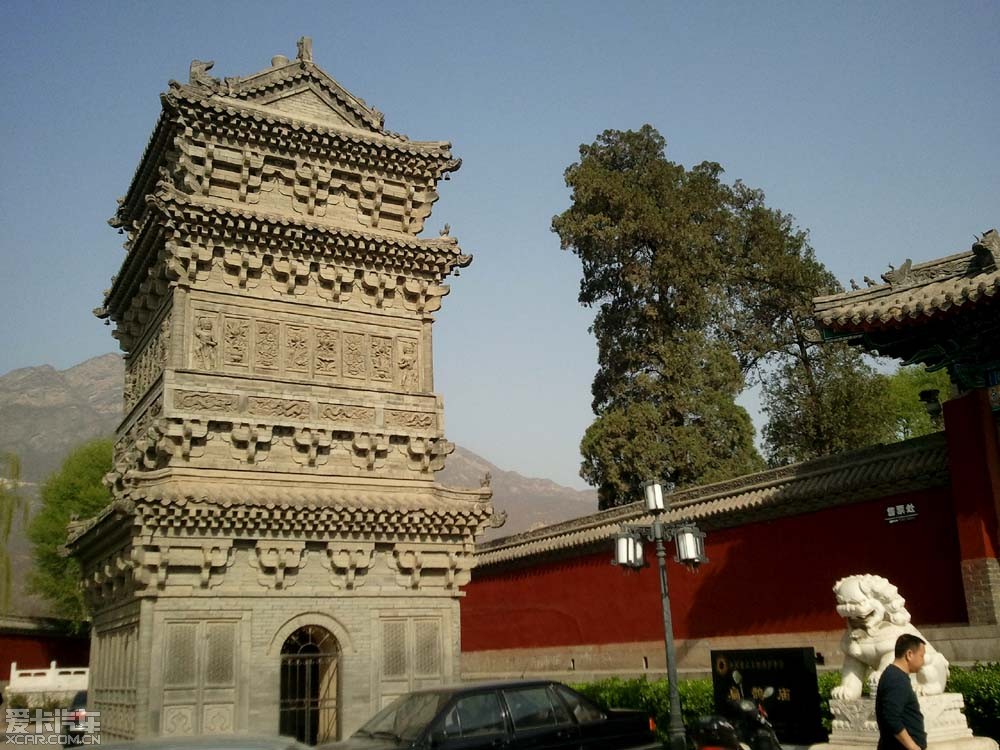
[277,556]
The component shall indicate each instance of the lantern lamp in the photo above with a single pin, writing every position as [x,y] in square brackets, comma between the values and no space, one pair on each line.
[653,492]
[690,543]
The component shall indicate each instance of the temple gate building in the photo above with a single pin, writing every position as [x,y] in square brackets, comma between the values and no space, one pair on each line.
[278,556]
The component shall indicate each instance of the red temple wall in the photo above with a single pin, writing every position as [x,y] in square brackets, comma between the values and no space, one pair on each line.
[37,651]
[768,577]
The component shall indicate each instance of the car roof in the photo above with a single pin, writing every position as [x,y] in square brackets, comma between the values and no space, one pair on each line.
[458,687]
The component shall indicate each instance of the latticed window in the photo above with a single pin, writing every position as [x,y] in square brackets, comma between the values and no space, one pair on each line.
[179,661]
[221,639]
[394,648]
[411,648]
[427,654]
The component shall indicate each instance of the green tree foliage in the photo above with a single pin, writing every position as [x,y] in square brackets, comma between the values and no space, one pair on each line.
[76,490]
[903,389]
[824,401]
[830,401]
[700,288]
[13,507]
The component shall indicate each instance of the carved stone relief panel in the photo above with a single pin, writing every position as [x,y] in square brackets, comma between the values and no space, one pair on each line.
[354,356]
[277,408]
[146,365]
[410,420]
[205,344]
[348,416]
[267,337]
[297,348]
[409,370]
[327,361]
[236,343]
[382,357]
[225,403]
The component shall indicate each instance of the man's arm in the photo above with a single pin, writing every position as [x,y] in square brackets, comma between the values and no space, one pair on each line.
[906,740]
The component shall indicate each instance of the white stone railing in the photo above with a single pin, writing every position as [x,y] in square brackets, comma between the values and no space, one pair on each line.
[54,680]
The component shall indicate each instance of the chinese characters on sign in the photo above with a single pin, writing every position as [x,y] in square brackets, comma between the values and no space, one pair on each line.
[901,512]
[61,726]
[791,672]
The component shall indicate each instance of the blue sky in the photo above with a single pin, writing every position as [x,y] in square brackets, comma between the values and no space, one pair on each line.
[875,124]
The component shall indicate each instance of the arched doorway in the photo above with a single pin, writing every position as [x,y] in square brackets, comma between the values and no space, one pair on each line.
[308,703]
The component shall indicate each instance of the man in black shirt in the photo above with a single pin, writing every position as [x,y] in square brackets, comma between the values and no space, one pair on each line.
[897,710]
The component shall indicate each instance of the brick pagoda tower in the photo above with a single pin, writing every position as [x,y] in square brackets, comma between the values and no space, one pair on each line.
[278,556]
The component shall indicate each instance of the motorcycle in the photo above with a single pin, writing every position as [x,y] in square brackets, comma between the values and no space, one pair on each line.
[744,725]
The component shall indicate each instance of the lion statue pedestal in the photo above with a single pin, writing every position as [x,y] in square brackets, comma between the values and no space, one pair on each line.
[854,724]
[876,616]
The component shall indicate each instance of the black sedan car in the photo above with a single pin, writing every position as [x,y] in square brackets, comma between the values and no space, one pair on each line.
[539,715]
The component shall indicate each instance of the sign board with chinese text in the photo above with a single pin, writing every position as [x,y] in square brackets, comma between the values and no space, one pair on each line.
[900,512]
[794,706]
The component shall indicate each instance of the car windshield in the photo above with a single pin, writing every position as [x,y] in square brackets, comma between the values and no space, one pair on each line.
[406,717]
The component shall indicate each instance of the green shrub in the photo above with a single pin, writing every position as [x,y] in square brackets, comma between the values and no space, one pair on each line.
[827,681]
[980,685]
[652,697]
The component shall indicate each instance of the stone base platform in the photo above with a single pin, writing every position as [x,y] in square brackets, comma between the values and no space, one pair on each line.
[854,725]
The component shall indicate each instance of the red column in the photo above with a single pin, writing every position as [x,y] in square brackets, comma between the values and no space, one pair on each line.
[974,466]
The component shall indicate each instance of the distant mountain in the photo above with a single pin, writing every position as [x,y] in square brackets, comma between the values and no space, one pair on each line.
[45,412]
[529,503]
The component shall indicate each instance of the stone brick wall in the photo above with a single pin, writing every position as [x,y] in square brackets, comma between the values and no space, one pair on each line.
[981,578]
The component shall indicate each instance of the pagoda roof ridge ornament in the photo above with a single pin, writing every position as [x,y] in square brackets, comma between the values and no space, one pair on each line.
[296,86]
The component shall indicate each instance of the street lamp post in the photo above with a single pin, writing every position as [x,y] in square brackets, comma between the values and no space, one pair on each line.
[690,544]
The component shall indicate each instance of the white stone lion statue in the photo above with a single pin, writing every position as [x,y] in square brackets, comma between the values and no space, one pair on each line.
[876,617]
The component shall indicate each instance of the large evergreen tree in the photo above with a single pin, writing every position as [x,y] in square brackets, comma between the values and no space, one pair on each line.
[656,243]
[700,288]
